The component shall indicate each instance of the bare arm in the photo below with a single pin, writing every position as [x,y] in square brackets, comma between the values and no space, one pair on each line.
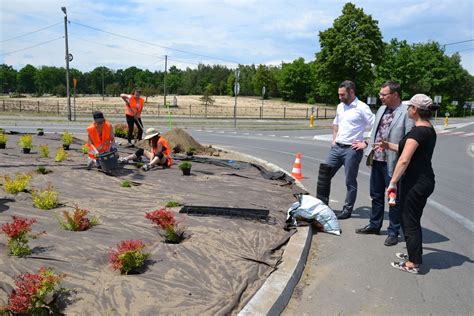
[410,146]
[335,128]
[126,98]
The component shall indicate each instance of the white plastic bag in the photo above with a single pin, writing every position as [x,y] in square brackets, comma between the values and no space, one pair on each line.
[311,208]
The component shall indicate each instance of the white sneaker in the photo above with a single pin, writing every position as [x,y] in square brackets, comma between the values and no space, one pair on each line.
[123,160]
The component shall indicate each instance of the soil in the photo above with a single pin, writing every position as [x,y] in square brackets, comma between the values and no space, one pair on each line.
[216,270]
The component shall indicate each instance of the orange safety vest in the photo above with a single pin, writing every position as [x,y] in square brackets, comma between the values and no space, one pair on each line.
[102,144]
[133,108]
[166,152]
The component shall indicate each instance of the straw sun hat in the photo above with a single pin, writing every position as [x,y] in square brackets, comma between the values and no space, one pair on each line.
[151,132]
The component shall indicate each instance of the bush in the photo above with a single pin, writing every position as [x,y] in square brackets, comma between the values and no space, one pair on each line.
[78,220]
[184,165]
[44,151]
[61,155]
[43,170]
[172,204]
[3,138]
[46,199]
[34,293]
[26,141]
[126,184]
[121,130]
[67,138]
[164,219]
[128,256]
[18,233]
[22,180]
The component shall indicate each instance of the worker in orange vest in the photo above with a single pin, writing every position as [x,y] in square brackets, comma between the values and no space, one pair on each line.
[158,154]
[133,110]
[100,138]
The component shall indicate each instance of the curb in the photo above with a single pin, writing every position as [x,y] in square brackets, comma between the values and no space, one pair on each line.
[273,296]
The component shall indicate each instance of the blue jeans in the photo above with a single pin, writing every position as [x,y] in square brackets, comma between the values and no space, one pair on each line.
[379,181]
[344,155]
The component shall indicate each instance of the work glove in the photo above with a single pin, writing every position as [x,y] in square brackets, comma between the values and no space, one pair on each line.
[146,167]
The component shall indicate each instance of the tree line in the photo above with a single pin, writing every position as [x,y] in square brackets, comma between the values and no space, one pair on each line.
[351,49]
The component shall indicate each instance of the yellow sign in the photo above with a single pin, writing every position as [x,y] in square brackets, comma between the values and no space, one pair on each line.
[75,82]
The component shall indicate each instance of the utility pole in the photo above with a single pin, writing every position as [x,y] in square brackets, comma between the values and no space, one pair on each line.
[236,93]
[164,80]
[68,58]
[102,84]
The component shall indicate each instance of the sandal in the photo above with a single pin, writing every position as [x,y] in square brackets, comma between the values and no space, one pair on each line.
[402,256]
[403,267]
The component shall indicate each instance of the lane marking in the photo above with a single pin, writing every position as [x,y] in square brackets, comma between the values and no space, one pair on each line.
[449,212]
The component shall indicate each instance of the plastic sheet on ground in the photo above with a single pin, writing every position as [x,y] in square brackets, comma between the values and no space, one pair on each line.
[215,271]
[310,208]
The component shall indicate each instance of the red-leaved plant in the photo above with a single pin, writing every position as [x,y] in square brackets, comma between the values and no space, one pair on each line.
[164,219]
[77,221]
[34,292]
[128,256]
[18,233]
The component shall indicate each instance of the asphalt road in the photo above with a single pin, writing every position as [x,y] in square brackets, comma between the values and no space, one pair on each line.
[351,274]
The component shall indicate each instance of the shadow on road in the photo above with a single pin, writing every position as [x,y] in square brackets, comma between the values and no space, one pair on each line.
[431,237]
[439,259]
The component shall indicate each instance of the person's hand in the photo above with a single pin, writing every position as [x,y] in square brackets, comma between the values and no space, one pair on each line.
[358,145]
[383,144]
[333,142]
[392,188]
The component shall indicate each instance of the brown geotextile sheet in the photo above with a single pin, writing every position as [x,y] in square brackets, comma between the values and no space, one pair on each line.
[215,271]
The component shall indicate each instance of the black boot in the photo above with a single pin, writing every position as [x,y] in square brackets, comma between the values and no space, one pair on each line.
[323,187]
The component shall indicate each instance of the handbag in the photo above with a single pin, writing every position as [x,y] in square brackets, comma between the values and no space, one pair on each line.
[370,158]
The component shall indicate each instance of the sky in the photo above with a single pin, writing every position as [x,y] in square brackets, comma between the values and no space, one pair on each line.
[122,33]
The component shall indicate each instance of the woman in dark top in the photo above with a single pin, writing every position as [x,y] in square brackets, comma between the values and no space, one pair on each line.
[415,172]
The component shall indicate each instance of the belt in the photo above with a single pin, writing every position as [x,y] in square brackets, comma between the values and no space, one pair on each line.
[342,145]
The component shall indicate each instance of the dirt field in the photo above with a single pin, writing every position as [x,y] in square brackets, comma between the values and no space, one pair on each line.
[188,106]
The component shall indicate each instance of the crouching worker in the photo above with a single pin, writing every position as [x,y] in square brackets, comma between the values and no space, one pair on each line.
[159,153]
[100,138]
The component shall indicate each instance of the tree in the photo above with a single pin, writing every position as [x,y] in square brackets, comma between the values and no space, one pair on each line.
[265,77]
[348,51]
[26,79]
[173,79]
[207,99]
[296,81]
[7,78]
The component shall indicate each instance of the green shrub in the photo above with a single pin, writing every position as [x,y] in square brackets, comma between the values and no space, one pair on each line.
[46,199]
[42,170]
[184,165]
[19,184]
[61,155]
[126,184]
[44,151]
[26,141]
[3,138]
[67,138]
[172,204]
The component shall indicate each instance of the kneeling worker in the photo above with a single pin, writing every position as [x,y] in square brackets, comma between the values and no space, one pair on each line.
[159,153]
[100,138]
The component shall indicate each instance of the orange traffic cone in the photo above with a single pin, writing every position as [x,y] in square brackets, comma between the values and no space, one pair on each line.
[296,172]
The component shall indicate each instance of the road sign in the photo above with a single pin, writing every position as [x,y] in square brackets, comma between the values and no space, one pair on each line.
[70,57]
[437,99]
[74,81]
[264,89]
[237,88]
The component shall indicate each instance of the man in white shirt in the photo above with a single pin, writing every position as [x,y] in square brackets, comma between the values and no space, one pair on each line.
[353,117]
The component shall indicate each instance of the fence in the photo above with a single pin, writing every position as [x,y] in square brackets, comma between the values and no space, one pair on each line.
[191,111]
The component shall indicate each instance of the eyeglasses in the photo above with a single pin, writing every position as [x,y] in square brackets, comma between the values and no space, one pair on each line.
[384,94]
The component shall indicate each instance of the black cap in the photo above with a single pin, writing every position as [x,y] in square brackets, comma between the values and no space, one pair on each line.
[98,116]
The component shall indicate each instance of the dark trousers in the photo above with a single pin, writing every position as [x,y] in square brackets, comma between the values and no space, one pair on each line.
[379,181]
[130,122]
[413,199]
[344,155]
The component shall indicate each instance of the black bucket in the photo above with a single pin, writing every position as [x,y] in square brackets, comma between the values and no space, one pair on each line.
[108,161]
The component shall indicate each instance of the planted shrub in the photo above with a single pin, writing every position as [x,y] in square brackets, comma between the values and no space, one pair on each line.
[139,164]
[165,220]
[19,184]
[26,142]
[128,256]
[172,204]
[121,130]
[191,151]
[3,139]
[85,150]
[77,220]
[126,184]
[46,199]
[61,155]
[42,170]
[18,233]
[34,293]
[67,138]
[44,151]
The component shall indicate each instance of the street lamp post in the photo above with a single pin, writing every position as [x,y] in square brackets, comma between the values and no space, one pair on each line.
[68,58]
[236,93]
